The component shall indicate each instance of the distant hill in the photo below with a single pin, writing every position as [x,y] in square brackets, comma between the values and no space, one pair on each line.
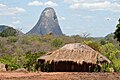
[110,39]
[4,27]
[47,23]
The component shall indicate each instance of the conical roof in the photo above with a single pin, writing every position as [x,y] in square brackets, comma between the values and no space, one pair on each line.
[75,52]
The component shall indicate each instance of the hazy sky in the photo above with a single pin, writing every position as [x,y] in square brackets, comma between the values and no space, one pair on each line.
[96,17]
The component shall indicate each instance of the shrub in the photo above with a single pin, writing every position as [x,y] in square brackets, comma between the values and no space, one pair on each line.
[94,45]
[56,42]
[116,65]
[31,60]
[105,67]
[8,60]
[12,39]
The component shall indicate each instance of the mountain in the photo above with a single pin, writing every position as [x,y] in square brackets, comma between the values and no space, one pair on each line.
[3,27]
[47,23]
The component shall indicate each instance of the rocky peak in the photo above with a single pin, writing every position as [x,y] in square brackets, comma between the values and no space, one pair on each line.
[47,23]
[49,12]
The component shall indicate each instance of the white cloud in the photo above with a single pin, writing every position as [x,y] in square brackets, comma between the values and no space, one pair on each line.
[93,5]
[62,18]
[16,22]
[79,15]
[83,1]
[38,3]
[50,3]
[2,5]
[16,10]
[35,3]
[71,1]
[5,10]
[88,17]
[16,18]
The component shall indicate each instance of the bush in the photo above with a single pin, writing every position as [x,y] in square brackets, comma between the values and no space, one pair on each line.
[8,60]
[12,39]
[56,42]
[31,60]
[116,65]
[108,50]
[94,45]
[105,67]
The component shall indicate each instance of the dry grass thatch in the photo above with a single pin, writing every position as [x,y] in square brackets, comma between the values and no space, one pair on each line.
[75,52]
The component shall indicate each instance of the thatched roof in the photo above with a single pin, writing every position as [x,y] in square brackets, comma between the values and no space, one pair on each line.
[75,52]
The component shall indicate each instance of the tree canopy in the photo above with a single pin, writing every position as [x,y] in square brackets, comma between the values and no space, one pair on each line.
[117,32]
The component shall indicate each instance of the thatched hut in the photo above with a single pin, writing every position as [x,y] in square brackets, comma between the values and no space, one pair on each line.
[73,57]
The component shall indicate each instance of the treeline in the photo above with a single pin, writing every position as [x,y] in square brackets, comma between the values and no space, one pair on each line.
[23,51]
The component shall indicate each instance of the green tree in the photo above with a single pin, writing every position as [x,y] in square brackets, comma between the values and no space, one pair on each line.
[56,42]
[10,62]
[12,39]
[18,56]
[110,51]
[31,60]
[8,32]
[117,32]
[94,45]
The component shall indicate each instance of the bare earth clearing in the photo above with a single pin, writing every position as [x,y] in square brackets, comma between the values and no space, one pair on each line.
[58,76]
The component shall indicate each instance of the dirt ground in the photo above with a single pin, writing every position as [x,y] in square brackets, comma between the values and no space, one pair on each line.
[58,76]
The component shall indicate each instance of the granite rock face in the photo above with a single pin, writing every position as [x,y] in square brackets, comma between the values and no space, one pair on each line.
[47,23]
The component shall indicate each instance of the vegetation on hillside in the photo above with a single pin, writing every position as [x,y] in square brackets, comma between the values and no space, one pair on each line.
[22,51]
[8,32]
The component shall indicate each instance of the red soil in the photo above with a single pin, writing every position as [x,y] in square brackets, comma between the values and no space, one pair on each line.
[58,76]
